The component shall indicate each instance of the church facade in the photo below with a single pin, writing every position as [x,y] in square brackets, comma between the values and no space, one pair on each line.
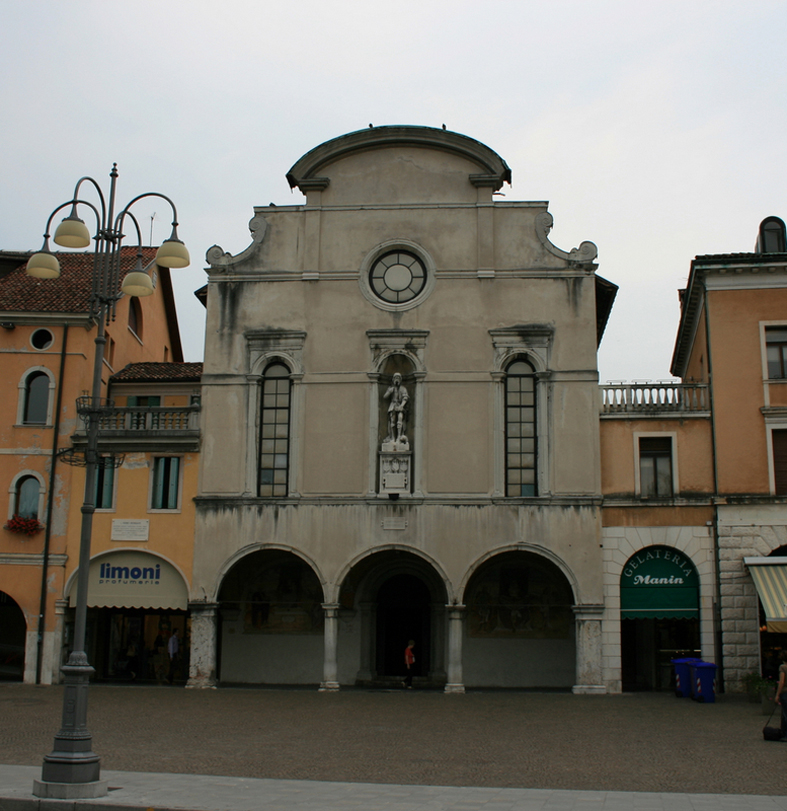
[400,432]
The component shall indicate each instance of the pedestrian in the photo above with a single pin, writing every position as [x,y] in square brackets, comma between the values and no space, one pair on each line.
[781,694]
[409,661]
[173,647]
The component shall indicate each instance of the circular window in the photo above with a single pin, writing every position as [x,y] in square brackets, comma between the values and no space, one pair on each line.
[397,277]
[42,339]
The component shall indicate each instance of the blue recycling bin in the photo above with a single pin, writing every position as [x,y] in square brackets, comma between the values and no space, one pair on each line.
[703,681]
[683,678]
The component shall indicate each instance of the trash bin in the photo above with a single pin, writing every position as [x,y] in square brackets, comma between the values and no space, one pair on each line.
[703,680]
[683,678]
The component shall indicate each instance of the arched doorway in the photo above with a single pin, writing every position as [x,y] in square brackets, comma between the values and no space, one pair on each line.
[394,596]
[520,629]
[270,621]
[403,614]
[13,630]
[659,616]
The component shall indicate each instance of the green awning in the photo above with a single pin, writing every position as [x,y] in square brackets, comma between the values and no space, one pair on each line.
[770,579]
[659,583]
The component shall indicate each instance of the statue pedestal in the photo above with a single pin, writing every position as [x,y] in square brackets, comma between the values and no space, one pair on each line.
[395,466]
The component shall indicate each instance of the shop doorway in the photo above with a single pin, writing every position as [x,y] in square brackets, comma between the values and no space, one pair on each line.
[648,647]
[13,630]
[130,645]
[403,614]
[659,617]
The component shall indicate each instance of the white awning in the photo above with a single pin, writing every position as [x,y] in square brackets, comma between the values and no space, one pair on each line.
[770,578]
[132,579]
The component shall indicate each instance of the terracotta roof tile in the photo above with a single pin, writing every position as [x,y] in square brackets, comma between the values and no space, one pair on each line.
[158,372]
[70,293]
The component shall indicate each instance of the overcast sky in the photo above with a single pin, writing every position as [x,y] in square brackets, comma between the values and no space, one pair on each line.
[655,129]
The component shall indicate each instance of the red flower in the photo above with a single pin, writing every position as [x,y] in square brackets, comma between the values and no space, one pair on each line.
[23,526]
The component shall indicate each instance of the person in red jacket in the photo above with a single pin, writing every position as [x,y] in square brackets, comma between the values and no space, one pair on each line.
[409,661]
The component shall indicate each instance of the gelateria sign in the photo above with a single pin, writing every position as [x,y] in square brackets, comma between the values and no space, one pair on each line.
[131,579]
[659,583]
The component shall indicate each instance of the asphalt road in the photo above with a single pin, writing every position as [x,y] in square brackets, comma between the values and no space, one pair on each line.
[642,742]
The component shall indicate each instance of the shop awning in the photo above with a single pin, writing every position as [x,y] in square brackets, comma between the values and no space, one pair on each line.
[659,583]
[770,579]
[132,579]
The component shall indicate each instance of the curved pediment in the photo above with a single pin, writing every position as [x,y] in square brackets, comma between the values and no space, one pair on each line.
[486,168]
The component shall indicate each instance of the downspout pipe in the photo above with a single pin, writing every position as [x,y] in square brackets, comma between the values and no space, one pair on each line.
[49,509]
[718,632]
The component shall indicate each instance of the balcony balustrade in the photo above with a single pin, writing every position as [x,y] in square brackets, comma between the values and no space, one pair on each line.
[654,399]
[145,428]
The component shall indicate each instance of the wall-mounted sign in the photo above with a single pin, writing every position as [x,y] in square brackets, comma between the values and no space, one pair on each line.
[130,579]
[130,529]
[661,583]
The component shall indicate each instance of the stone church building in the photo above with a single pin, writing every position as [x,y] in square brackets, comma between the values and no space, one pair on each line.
[400,432]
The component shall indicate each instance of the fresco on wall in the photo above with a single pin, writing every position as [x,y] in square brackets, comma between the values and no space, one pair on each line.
[524,598]
[280,598]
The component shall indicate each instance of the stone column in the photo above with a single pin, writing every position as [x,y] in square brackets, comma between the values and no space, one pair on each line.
[330,668]
[202,657]
[588,642]
[455,682]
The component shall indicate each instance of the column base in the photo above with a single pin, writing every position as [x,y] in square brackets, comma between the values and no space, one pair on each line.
[329,687]
[454,688]
[201,683]
[70,791]
[589,689]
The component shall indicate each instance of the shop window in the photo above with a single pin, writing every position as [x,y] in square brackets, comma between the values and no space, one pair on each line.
[275,431]
[36,407]
[28,491]
[520,411]
[776,349]
[779,445]
[105,484]
[655,467]
[166,483]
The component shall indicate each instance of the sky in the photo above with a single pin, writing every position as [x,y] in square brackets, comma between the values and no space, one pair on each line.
[655,129]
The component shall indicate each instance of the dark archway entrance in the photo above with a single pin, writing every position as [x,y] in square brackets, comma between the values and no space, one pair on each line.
[13,630]
[403,613]
[270,621]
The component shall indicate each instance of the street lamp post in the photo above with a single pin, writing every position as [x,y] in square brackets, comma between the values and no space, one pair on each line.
[72,769]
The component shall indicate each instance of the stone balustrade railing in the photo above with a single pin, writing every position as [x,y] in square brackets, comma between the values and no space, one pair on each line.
[654,398]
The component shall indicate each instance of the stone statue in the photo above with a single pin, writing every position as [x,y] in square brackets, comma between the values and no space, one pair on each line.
[397,410]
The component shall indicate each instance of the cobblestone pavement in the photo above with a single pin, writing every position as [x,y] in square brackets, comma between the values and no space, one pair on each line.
[636,742]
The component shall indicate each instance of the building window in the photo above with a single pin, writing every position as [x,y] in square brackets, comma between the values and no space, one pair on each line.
[771,238]
[520,388]
[42,339]
[166,481]
[779,442]
[776,349]
[105,484]
[655,467]
[275,433]
[36,407]
[135,316]
[28,491]
[397,277]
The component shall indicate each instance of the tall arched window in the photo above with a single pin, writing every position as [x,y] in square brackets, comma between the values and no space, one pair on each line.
[521,440]
[275,431]
[36,407]
[28,490]
[135,316]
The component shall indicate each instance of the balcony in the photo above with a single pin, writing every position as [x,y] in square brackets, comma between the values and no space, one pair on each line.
[657,399]
[161,429]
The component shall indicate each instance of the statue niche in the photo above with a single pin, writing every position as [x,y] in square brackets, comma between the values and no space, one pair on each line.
[395,416]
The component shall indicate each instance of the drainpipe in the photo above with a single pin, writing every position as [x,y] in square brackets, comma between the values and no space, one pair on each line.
[718,638]
[49,508]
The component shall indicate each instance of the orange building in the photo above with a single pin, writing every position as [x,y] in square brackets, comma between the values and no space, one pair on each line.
[47,351]
[698,468]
